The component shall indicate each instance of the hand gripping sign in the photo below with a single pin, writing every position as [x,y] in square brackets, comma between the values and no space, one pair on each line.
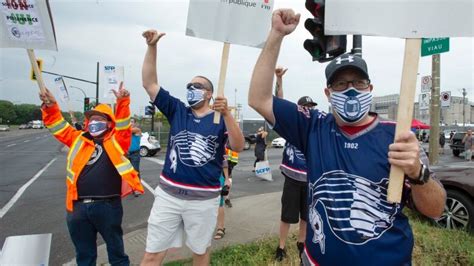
[244,22]
[27,24]
[411,20]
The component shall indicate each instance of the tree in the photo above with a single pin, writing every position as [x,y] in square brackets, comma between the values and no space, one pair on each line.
[26,113]
[7,112]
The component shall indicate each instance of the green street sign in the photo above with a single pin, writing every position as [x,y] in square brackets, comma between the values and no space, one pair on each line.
[431,46]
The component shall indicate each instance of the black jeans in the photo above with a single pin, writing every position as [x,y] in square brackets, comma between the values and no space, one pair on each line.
[88,219]
[134,158]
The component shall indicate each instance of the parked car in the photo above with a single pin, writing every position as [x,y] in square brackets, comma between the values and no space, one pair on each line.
[279,143]
[249,140]
[37,124]
[459,210]
[456,143]
[149,145]
[23,126]
[4,128]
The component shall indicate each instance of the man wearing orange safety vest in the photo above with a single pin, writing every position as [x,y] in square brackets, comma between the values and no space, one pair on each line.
[232,161]
[98,174]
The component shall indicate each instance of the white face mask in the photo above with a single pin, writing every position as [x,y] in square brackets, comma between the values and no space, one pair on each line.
[96,128]
[351,105]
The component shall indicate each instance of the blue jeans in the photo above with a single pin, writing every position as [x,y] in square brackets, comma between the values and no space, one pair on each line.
[134,158]
[88,219]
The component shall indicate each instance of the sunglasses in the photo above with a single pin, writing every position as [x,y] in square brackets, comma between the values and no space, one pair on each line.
[197,86]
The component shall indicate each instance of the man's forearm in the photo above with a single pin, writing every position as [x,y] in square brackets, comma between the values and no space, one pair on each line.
[236,139]
[260,93]
[149,75]
[429,198]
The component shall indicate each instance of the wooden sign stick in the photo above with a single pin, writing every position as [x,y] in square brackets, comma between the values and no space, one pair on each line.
[36,70]
[405,111]
[222,75]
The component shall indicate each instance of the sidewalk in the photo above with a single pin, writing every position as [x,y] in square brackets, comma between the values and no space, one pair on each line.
[249,219]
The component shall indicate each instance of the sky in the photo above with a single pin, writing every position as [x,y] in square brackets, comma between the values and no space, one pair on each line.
[109,32]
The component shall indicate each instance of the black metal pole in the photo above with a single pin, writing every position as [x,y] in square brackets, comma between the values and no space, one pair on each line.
[357,45]
[97,86]
[69,77]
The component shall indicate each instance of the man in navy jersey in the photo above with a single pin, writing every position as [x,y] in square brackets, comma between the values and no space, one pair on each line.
[294,207]
[187,197]
[348,155]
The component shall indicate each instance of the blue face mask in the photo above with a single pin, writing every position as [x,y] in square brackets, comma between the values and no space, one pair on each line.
[351,105]
[96,128]
[194,95]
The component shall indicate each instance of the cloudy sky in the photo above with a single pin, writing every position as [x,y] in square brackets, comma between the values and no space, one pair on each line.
[109,32]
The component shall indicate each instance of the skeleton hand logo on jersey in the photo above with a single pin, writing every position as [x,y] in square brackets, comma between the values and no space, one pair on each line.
[192,149]
[317,225]
[355,208]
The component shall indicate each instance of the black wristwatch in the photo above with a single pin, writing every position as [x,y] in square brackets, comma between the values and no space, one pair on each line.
[423,177]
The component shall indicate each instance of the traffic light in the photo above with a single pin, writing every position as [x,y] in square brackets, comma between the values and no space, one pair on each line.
[150,109]
[322,48]
[87,106]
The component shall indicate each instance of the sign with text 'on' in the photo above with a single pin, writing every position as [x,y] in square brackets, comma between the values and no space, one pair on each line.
[26,24]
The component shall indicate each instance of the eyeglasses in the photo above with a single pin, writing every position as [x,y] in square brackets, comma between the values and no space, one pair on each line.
[340,85]
[196,85]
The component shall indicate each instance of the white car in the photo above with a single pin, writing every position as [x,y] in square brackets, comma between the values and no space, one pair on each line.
[149,145]
[278,143]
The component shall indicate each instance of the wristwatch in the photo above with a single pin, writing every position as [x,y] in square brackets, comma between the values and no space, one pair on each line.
[423,177]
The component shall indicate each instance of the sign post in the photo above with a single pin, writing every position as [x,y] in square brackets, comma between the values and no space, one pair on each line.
[382,18]
[230,22]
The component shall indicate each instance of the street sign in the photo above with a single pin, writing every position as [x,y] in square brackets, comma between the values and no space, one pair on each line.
[425,84]
[431,46]
[40,66]
[445,98]
[424,102]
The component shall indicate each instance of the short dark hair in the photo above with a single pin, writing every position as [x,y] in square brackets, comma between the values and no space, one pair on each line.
[208,81]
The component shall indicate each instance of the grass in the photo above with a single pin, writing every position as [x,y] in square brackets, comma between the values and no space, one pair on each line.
[433,246]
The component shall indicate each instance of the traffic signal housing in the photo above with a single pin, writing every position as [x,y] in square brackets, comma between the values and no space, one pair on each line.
[87,105]
[322,48]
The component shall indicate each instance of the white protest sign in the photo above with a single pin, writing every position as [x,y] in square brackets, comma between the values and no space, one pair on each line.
[113,75]
[445,98]
[404,19]
[426,84]
[244,22]
[61,86]
[27,24]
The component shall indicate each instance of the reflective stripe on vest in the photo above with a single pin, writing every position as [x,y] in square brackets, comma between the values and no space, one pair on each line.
[125,167]
[76,146]
[122,124]
[57,127]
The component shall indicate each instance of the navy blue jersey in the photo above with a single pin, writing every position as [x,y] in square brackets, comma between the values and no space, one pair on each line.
[350,221]
[193,161]
[293,163]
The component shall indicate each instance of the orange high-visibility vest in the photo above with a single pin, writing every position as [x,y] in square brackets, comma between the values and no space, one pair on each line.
[81,147]
[232,155]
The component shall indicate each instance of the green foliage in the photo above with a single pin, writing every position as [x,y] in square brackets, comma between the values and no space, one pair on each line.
[433,246]
[7,112]
[27,112]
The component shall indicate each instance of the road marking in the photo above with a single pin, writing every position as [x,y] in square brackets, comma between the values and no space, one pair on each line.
[20,192]
[158,161]
[38,137]
[11,145]
[148,186]
[26,140]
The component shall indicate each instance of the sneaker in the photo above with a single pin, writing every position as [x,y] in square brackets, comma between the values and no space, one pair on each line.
[300,246]
[228,203]
[280,254]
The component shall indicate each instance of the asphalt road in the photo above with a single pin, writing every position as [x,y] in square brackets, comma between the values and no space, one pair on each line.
[32,159]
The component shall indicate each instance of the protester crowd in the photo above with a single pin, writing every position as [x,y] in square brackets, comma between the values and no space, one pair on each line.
[336,166]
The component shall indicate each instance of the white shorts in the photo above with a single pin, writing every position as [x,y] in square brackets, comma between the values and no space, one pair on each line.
[171,217]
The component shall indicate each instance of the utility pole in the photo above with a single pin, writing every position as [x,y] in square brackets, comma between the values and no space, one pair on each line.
[434,109]
[97,85]
[464,93]
[357,45]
